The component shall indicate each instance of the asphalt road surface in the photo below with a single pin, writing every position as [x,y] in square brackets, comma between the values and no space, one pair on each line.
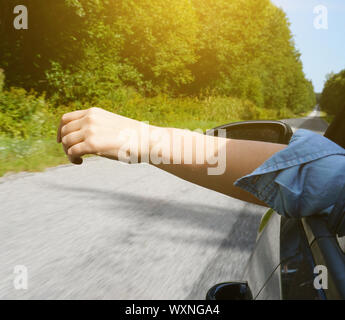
[106,230]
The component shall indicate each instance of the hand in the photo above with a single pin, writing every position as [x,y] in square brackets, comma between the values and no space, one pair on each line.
[94,131]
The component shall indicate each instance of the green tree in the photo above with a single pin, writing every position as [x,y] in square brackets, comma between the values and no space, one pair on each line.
[333,94]
[88,49]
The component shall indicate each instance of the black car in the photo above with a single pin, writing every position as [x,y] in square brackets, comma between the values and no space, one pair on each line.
[292,258]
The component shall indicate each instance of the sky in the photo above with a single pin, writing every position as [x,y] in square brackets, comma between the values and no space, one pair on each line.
[321,42]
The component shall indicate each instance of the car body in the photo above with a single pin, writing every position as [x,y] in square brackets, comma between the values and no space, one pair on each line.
[293,258]
[284,262]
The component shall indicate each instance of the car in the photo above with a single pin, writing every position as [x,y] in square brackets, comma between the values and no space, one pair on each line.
[293,258]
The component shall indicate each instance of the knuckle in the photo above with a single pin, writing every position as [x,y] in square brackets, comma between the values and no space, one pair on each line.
[92,111]
[64,118]
[63,130]
[92,143]
[64,140]
[90,131]
[90,118]
[91,115]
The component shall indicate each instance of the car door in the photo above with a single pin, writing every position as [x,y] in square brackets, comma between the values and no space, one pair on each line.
[282,264]
[291,254]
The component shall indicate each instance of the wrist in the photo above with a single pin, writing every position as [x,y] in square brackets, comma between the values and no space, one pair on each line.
[147,141]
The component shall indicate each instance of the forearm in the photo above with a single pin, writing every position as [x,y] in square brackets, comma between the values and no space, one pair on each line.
[212,162]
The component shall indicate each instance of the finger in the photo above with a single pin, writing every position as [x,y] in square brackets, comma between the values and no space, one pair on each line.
[72,139]
[74,115]
[78,150]
[70,127]
[68,117]
[74,160]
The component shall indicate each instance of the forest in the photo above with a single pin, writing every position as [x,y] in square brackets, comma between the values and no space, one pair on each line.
[332,99]
[185,63]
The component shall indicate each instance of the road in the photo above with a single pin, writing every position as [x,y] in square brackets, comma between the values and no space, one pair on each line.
[107,230]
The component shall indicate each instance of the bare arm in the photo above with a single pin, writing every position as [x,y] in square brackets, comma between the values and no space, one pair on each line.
[240,158]
[212,162]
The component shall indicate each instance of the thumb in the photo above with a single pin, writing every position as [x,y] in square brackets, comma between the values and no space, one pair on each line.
[75,160]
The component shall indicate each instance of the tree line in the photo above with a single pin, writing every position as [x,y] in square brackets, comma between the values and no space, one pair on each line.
[88,49]
[332,99]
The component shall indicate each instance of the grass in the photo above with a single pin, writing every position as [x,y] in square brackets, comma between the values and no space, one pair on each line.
[36,154]
[29,155]
[328,118]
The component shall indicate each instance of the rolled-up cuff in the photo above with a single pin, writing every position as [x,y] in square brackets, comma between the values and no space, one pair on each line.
[304,179]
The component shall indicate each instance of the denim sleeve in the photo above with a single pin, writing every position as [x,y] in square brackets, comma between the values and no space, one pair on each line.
[304,179]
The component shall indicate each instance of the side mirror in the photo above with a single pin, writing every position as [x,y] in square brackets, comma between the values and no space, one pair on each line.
[267,131]
[230,291]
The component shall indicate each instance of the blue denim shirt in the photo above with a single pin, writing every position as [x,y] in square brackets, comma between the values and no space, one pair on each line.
[304,179]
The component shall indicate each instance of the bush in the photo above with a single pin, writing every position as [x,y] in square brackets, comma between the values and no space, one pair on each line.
[91,79]
[24,115]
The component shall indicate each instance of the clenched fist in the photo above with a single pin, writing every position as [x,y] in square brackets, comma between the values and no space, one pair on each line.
[94,131]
